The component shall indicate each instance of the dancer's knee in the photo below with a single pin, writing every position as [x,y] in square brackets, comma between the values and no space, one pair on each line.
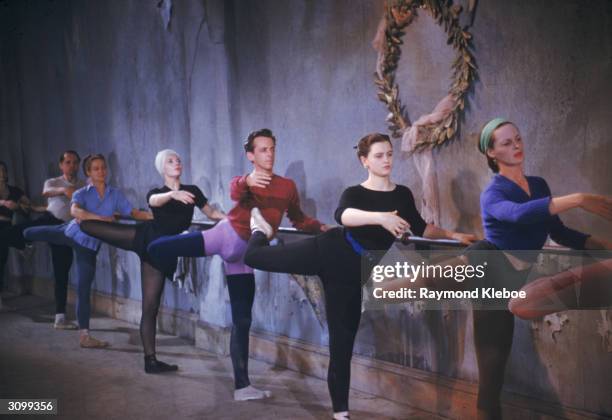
[30,234]
[157,248]
[150,311]
[86,226]
[242,322]
[249,256]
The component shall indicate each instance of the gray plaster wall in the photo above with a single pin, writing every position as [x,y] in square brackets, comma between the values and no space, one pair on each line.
[123,79]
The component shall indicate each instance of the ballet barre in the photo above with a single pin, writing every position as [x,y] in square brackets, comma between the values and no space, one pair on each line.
[416,240]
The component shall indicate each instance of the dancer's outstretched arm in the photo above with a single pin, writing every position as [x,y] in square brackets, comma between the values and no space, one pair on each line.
[158,200]
[593,242]
[298,218]
[141,215]
[23,203]
[435,232]
[600,205]
[239,185]
[186,197]
[538,210]
[49,191]
[352,217]
[212,213]
[80,214]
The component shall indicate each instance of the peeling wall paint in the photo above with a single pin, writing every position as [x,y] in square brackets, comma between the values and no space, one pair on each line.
[604,329]
[130,78]
[555,323]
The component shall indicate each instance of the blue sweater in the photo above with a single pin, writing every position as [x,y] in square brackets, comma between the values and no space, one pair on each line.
[515,221]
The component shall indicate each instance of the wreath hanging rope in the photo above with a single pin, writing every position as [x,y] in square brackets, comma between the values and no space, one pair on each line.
[441,125]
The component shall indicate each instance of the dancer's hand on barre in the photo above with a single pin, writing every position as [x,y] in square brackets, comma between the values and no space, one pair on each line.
[108,219]
[68,191]
[81,214]
[393,223]
[434,232]
[184,197]
[600,205]
[258,179]
[597,204]
[326,227]
[9,204]
[213,213]
[464,238]
[593,242]
[141,214]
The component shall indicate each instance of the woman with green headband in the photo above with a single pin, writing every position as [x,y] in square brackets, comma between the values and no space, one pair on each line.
[518,213]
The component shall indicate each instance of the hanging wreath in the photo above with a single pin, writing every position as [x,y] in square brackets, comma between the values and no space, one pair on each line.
[441,125]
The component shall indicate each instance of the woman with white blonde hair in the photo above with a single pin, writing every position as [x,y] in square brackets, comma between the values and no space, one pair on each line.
[172,206]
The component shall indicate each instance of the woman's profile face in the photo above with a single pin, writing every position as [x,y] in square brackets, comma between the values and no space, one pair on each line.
[173,167]
[379,161]
[507,146]
[3,174]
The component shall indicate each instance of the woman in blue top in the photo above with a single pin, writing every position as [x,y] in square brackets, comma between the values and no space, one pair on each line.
[519,213]
[172,207]
[96,201]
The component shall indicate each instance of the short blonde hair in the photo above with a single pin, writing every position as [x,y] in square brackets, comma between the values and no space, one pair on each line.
[90,158]
[160,158]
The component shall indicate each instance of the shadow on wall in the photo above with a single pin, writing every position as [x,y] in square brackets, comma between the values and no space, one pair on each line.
[466,196]
[52,170]
[331,190]
[115,175]
[204,184]
[296,172]
[119,261]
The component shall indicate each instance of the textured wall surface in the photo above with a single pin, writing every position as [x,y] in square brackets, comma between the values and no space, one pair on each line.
[126,79]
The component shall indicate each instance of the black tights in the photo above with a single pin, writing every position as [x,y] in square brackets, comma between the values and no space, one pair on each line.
[493,327]
[152,280]
[241,288]
[5,227]
[62,261]
[12,236]
[331,258]
[493,331]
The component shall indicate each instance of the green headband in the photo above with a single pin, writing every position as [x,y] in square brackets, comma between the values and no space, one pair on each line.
[487,132]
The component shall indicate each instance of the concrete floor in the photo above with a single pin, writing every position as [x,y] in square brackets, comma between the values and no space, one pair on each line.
[37,361]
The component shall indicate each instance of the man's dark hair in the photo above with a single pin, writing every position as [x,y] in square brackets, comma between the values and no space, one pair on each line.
[264,132]
[71,152]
